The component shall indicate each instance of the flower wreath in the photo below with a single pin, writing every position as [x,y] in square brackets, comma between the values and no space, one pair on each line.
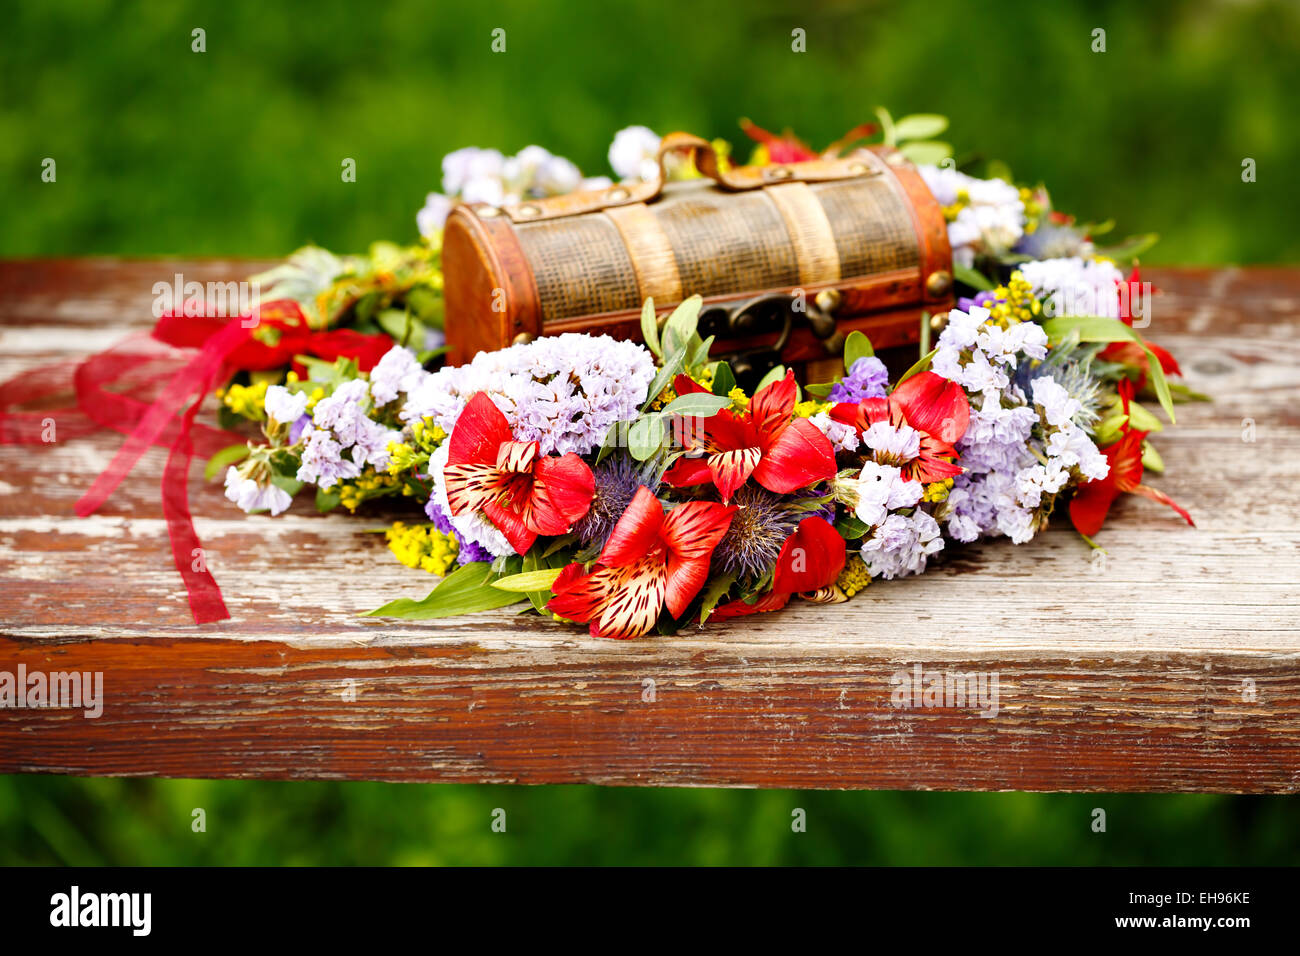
[634,487]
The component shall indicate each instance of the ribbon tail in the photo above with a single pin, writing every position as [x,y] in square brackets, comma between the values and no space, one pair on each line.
[187,550]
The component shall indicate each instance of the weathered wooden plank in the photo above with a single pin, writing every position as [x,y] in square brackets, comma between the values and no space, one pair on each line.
[1169,663]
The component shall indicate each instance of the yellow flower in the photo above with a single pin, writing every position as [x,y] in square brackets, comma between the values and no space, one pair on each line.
[854,577]
[938,490]
[809,408]
[422,546]
[247,401]
[739,400]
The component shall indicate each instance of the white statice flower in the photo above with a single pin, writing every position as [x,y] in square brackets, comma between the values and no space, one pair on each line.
[463,168]
[343,419]
[981,356]
[841,436]
[902,545]
[1075,286]
[634,154]
[284,406]
[433,214]
[1058,407]
[892,444]
[249,496]
[563,392]
[990,216]
[396,373]
[880,489]
[469,526]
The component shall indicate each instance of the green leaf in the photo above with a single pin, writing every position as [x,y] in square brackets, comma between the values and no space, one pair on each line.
[929,152]
[714,592]
[664,377]
[1141,419]
[327,500]
[650,327]
[540,580]
[1100,328]
[1156,376]
[681,325]
[645,437]
[724,379]
[920,126]
[820,390]
[697,405]
[775,375]
[1151,459]
[855,347]
[700,354]
[887,132]
[851,527]
[1186,394]
[1130,248]
[921,365]
[464,591]
[972,277]
[224,459]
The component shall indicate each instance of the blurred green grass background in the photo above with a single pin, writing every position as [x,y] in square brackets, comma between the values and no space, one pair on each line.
[237,152]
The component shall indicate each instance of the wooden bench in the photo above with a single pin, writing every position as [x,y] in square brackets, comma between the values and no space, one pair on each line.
[1171,662]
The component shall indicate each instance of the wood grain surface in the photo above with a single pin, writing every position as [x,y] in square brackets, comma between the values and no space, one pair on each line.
[1171,662]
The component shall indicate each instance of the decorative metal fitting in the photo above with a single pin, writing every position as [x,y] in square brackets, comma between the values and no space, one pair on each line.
[938,283]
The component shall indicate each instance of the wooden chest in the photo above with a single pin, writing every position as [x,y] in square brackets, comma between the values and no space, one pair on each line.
[789,258]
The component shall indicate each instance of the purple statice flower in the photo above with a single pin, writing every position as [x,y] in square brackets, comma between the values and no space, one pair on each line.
[759,527]
[563,392]
[297,428]
[395,373]
[323,463]
[467,551]
[617,480]
[868,378]
[982,299]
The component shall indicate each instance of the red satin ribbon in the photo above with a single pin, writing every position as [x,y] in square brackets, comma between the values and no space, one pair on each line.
[168,421]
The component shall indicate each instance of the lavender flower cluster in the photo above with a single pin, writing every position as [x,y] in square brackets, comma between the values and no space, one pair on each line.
[563,392]
[1020,448]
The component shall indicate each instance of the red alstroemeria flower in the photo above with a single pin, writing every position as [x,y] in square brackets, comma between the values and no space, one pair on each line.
[789,148]
[811,559]
[780,149]
[932,405]
[781,454]
[1093,499]
[650,561]
[523,493]
[1131,353]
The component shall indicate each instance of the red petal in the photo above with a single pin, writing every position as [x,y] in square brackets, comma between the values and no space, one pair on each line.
[1146,491]
[471,486]
[637,532]
[772,601]
[802,456]
[770,409]
[685,385]
[694,529]
[685,578]
[731,469]
[566,486]
[578,596]
[688,471]
[691,532]
[934,404]
[511,524]
[1090,505]
[478,433]
[811,558]
[634,601]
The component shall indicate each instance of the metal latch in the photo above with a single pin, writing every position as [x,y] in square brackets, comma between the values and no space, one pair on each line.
[762,315]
